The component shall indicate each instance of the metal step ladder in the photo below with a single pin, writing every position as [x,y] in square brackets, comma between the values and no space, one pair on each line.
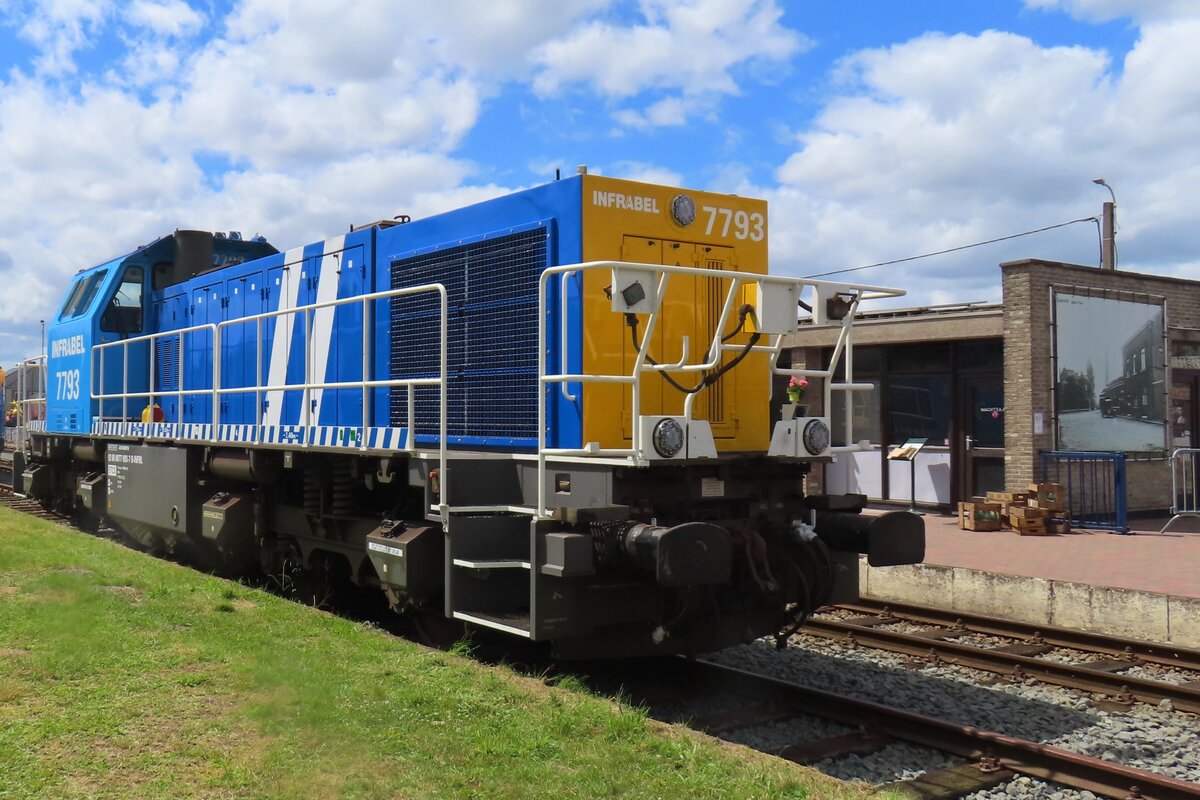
[490,556]
[488,569]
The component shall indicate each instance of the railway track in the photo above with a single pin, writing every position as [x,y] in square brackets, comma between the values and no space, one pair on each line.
[25,505]
[995,757]
[1095,663]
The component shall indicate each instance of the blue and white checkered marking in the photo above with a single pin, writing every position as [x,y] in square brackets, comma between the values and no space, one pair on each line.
[237,433]
[319,436]
[335,436]
[388,439]
[283,434]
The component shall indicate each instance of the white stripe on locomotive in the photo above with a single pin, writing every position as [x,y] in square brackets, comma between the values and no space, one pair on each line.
[322,332]
[281,341]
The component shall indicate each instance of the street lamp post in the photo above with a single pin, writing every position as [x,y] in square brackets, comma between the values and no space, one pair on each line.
[1108,242]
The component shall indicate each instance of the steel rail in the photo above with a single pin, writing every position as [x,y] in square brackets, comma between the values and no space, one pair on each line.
[1073,676]
[1036,760]
[1150,652]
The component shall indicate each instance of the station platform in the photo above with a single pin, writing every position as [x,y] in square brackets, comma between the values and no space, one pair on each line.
[1144,584]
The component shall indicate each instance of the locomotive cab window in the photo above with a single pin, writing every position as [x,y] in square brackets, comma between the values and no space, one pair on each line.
[72,298]
[83,293]
[124,312]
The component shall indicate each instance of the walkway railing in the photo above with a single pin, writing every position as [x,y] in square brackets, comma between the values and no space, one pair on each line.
[1185,491]
[816,295]
[1097,489]
[29,400]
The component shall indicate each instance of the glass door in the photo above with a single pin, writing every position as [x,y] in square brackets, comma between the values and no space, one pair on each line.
[981,442]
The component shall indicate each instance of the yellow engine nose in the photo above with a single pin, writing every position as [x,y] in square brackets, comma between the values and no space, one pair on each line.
[646,223]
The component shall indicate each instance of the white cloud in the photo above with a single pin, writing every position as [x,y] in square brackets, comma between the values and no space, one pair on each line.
[687,49]
[946,140]
[670,111]
[1105,10]
[646,173]
[165,17]
[58,28]
[327,114]
[495,38]
[691,47]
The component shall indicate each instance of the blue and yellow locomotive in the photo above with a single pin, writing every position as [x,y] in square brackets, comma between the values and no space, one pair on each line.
[547,414]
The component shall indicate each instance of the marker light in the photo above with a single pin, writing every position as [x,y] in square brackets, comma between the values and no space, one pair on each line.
[668,438]
[683,210]
[815,437]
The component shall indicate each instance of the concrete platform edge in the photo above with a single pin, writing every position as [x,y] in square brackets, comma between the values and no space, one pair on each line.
[1119,612]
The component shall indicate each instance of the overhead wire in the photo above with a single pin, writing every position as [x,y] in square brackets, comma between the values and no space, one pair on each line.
[956,249]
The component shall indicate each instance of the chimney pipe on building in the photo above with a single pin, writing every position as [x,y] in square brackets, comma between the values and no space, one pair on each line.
[1108,241]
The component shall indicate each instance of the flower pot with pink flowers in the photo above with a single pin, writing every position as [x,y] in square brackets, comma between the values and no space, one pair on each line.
[796,388]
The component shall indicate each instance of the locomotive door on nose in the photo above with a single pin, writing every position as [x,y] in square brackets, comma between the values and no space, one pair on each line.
[691,308]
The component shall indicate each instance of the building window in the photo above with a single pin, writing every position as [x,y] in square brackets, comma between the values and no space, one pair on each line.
[984,355]
[918,358]
[866,415]
[919,407]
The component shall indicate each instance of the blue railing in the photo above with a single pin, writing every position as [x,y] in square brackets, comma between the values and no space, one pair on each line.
[1096,486]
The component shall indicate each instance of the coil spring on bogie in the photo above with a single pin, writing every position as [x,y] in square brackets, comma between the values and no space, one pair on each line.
[312,490]
[342,503]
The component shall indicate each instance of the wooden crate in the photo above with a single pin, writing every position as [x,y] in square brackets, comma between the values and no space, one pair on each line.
[980,516]
[1008,498]
[1027,521]
[1028,527]
[1050,496]
[1058,525]
[1026,512]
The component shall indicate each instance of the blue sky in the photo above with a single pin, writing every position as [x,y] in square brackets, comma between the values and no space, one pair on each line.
[875,129]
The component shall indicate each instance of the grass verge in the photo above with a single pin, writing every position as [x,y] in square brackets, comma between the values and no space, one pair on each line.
[122,676]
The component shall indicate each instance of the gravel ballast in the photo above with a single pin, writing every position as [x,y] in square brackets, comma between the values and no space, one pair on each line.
[1151,738]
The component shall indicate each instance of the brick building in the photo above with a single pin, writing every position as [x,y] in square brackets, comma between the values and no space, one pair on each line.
[1073,356]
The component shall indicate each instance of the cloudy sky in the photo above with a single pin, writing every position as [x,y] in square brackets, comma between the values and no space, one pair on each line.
[876,129]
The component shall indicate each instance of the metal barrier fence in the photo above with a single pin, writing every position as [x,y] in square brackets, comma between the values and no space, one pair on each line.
[25,408]
[1184,487]
[1096,486]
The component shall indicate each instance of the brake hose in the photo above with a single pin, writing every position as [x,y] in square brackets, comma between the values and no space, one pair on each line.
[710,379]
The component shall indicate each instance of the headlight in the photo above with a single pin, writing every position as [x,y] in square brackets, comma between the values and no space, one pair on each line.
[668,438]
[815,437]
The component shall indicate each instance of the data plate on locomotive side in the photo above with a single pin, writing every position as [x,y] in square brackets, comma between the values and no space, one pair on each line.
[150,486]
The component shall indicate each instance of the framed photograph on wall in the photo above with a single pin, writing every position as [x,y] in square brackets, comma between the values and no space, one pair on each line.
[1110,370]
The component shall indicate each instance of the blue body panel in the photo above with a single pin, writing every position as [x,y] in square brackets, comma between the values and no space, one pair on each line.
[554,207]
[498,247]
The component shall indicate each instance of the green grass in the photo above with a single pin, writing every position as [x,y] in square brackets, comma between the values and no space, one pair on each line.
[122,676]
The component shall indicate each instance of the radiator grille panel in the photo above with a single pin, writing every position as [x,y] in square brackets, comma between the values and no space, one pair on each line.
[166,363]
[491,289]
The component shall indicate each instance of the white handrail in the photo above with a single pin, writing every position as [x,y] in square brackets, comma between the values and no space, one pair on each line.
[217,390]
[125,395]
[712,354]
